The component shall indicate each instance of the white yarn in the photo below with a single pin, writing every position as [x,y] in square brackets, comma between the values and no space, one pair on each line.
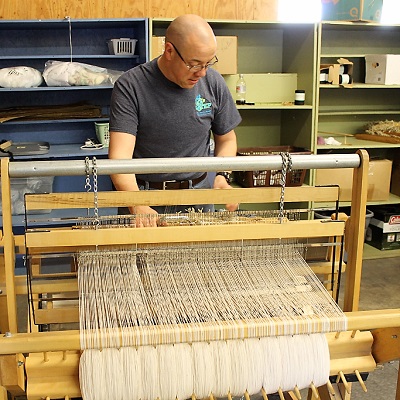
[222,363]
[172,372]
[168,358]
[184,370]
[148,360]
[120,292]
[237,351]
[203,368]
[132,373]
[255,364]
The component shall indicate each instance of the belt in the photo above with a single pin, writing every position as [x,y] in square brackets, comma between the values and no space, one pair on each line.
[172,185]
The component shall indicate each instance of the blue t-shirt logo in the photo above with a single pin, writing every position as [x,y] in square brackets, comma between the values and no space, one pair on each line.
[203,106]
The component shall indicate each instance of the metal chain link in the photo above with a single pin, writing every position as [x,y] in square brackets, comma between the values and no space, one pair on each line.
[286,167]
[88,185]
[96,193]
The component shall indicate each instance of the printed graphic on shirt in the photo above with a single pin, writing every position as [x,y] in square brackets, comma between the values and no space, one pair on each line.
[203,106]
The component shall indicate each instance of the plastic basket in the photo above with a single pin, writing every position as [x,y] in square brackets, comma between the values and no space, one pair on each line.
[122,46]
[102,133]
[270,177]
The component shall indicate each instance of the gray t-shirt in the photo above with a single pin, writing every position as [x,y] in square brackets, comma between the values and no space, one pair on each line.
[167,120]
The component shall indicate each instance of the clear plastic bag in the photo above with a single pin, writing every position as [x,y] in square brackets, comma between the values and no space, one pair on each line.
[60,73]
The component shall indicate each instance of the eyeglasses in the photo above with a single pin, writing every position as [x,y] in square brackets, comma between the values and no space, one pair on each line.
[196,67]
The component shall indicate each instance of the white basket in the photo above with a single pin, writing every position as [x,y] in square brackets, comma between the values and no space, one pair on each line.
[102,132]
[122,46]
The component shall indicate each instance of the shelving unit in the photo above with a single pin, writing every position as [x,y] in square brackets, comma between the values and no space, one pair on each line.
[344,111]
[32,43]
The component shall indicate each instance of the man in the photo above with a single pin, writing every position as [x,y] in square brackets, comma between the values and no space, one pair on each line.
[168,107]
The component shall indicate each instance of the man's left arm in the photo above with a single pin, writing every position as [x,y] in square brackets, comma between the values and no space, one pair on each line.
[225,146]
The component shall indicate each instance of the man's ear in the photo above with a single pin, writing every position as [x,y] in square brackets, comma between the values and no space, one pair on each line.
[168,50]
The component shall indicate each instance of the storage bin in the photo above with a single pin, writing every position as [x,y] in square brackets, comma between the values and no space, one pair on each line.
[272,177]
[103,132]
[22,186]
[122,46]
[385,228]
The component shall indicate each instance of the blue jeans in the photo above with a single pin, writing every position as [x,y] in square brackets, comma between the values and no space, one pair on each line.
[204,184]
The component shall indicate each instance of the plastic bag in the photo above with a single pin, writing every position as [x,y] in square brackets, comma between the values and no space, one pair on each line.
[20,77]
[60,73]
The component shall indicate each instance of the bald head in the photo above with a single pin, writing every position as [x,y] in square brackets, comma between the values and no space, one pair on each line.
[191,30]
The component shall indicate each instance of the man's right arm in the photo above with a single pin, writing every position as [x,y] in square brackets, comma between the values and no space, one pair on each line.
[121,147]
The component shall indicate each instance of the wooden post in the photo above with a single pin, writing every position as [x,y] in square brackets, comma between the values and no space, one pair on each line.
[9,249]
[355,230]
[12,374]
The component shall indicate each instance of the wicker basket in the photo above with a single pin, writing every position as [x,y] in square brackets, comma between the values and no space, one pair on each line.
[270,177]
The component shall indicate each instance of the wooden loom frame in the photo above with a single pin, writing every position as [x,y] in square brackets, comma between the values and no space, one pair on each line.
[65,345]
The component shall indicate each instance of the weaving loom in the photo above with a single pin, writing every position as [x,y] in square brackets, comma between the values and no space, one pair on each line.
[230,307]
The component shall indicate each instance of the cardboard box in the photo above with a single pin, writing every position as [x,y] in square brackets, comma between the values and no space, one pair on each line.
[266,88]
[157,46]
[333,72]
[352,10]
[395,181]
[379,175]
[385,228]
[227,52]
[382,69]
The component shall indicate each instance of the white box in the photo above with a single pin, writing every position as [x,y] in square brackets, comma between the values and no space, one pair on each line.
[382,69]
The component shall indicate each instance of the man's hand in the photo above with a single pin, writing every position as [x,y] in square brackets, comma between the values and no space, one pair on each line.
[221,183]
[145,216]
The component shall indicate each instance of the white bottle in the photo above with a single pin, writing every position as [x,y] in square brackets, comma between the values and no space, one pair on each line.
[241,90]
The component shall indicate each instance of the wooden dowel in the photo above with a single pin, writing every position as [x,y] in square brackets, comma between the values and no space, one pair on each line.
[45,356]
[212,396]
[330,388]
[345,383]
[297,392]
[229,396]
[246,395]
[193,396]
[337,335]
[359,377]
[281,396]
[353,334]
[314,390]
[264,394]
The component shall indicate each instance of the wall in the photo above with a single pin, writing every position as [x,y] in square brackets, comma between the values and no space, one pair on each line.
[264,10]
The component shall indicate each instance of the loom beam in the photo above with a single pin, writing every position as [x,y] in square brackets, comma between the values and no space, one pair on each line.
[70,339]
[55,374]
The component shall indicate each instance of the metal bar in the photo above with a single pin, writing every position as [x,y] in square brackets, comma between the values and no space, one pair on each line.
[22,169]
